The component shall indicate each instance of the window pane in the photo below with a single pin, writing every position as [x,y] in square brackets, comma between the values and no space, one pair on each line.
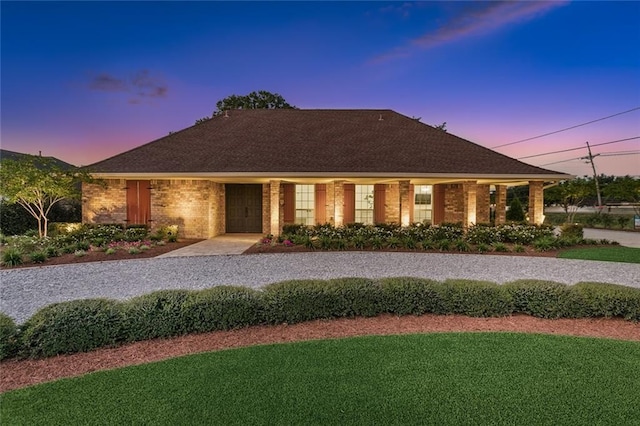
[305,204]
[364,204]
[422,203]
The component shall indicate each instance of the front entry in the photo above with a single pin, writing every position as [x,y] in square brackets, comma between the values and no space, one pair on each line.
[243,208]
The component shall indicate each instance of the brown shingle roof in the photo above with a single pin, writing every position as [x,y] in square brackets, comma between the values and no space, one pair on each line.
[323,141]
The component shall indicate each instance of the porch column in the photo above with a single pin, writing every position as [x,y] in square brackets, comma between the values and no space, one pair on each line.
[338,199]
[536,202]
[405,203]
[469,191]
[501,204]
[483,204]
[276,212]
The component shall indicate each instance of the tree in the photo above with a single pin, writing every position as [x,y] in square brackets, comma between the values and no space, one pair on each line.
[442,126]
[37,184]
[254,100]
[515,212]
[623,189]
[572,195]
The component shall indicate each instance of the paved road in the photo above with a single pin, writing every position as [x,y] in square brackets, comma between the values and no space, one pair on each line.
[23,291]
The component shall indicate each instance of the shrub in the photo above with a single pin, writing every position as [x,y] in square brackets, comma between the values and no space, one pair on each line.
[518,248]
[222,308]
[52,251]
[483,248]
[411,296]
[461,245]
[500,247]
[623,221]
[133,250]
[79,253]
[11,257]
[153,315]
[544,244]
[302,300]
[482,234]
[83,246]
[110,250]
[544,299]
[570,230]
[68,327]
[443,245]
[38,257]
[144,247]
[476,298]
[515,212]
[609,300]
[8,336]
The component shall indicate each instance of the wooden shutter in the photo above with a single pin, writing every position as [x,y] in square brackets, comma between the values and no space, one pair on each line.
[321,203]
[379,200]
[412,201]
[438,204]
[349,203]
[138,202]
[289,191]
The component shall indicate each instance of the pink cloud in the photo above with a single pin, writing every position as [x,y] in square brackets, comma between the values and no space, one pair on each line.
[472,20]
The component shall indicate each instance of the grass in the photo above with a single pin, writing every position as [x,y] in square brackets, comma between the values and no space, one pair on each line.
[609,254]
[449,378]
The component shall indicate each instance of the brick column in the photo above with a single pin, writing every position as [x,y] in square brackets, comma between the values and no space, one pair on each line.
[501,204]
[536,202]
[331,203]
[483,204]
[276,210]
[405,203]
[469,191]
[338,200]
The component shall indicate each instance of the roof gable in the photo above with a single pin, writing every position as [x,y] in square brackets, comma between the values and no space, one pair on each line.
[307,141]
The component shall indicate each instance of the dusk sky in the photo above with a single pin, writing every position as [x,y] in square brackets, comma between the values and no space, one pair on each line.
[85,81]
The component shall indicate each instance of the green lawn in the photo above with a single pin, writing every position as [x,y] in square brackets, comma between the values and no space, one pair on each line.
[443,379]
[611,254]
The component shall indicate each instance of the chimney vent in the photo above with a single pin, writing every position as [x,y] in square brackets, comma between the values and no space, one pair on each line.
[380,118]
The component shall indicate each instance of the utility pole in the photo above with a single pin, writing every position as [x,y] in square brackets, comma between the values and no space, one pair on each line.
[595,175]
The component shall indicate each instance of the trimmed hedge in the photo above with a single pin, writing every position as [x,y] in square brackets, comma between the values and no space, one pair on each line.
[8,336]
[75,326]
[84,325]
[222,308]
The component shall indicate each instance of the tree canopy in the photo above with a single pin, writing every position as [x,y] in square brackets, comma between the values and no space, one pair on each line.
[37,184]
[254,100]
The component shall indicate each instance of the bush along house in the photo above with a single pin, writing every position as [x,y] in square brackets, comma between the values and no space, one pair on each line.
[253,171]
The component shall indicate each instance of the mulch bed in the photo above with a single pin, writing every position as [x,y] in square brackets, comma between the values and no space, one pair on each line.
[100,256]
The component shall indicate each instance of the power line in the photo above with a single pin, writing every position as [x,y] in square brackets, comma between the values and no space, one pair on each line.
[565,129]
[602,154]
[577,148]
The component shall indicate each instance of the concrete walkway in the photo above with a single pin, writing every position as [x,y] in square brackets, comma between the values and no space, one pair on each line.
[625,238]
[220,245]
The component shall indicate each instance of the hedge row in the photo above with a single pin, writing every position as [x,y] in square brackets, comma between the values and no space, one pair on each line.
[84,325]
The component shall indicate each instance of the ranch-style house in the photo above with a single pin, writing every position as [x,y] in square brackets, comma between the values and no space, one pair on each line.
[253,171]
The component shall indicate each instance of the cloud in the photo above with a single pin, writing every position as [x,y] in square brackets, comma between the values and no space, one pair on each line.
[403,9]
[472,19]
[141,85]
[107,83]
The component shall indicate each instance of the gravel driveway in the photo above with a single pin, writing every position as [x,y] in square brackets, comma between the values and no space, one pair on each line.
[24,291]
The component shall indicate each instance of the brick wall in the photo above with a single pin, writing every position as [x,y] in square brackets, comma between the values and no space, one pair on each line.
[483,201]
[105,204]
[536,202]
[392,203]
[453,203]
[186,203]
[501,204]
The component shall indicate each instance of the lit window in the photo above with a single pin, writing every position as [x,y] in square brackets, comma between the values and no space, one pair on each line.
[422,206]
[305,204]
[364,204]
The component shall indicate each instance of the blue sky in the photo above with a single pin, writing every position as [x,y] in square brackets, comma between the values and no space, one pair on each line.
[84,81]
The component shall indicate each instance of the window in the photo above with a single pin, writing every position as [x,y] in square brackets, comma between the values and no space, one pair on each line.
[364,204]
[422,204]
[305,204]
